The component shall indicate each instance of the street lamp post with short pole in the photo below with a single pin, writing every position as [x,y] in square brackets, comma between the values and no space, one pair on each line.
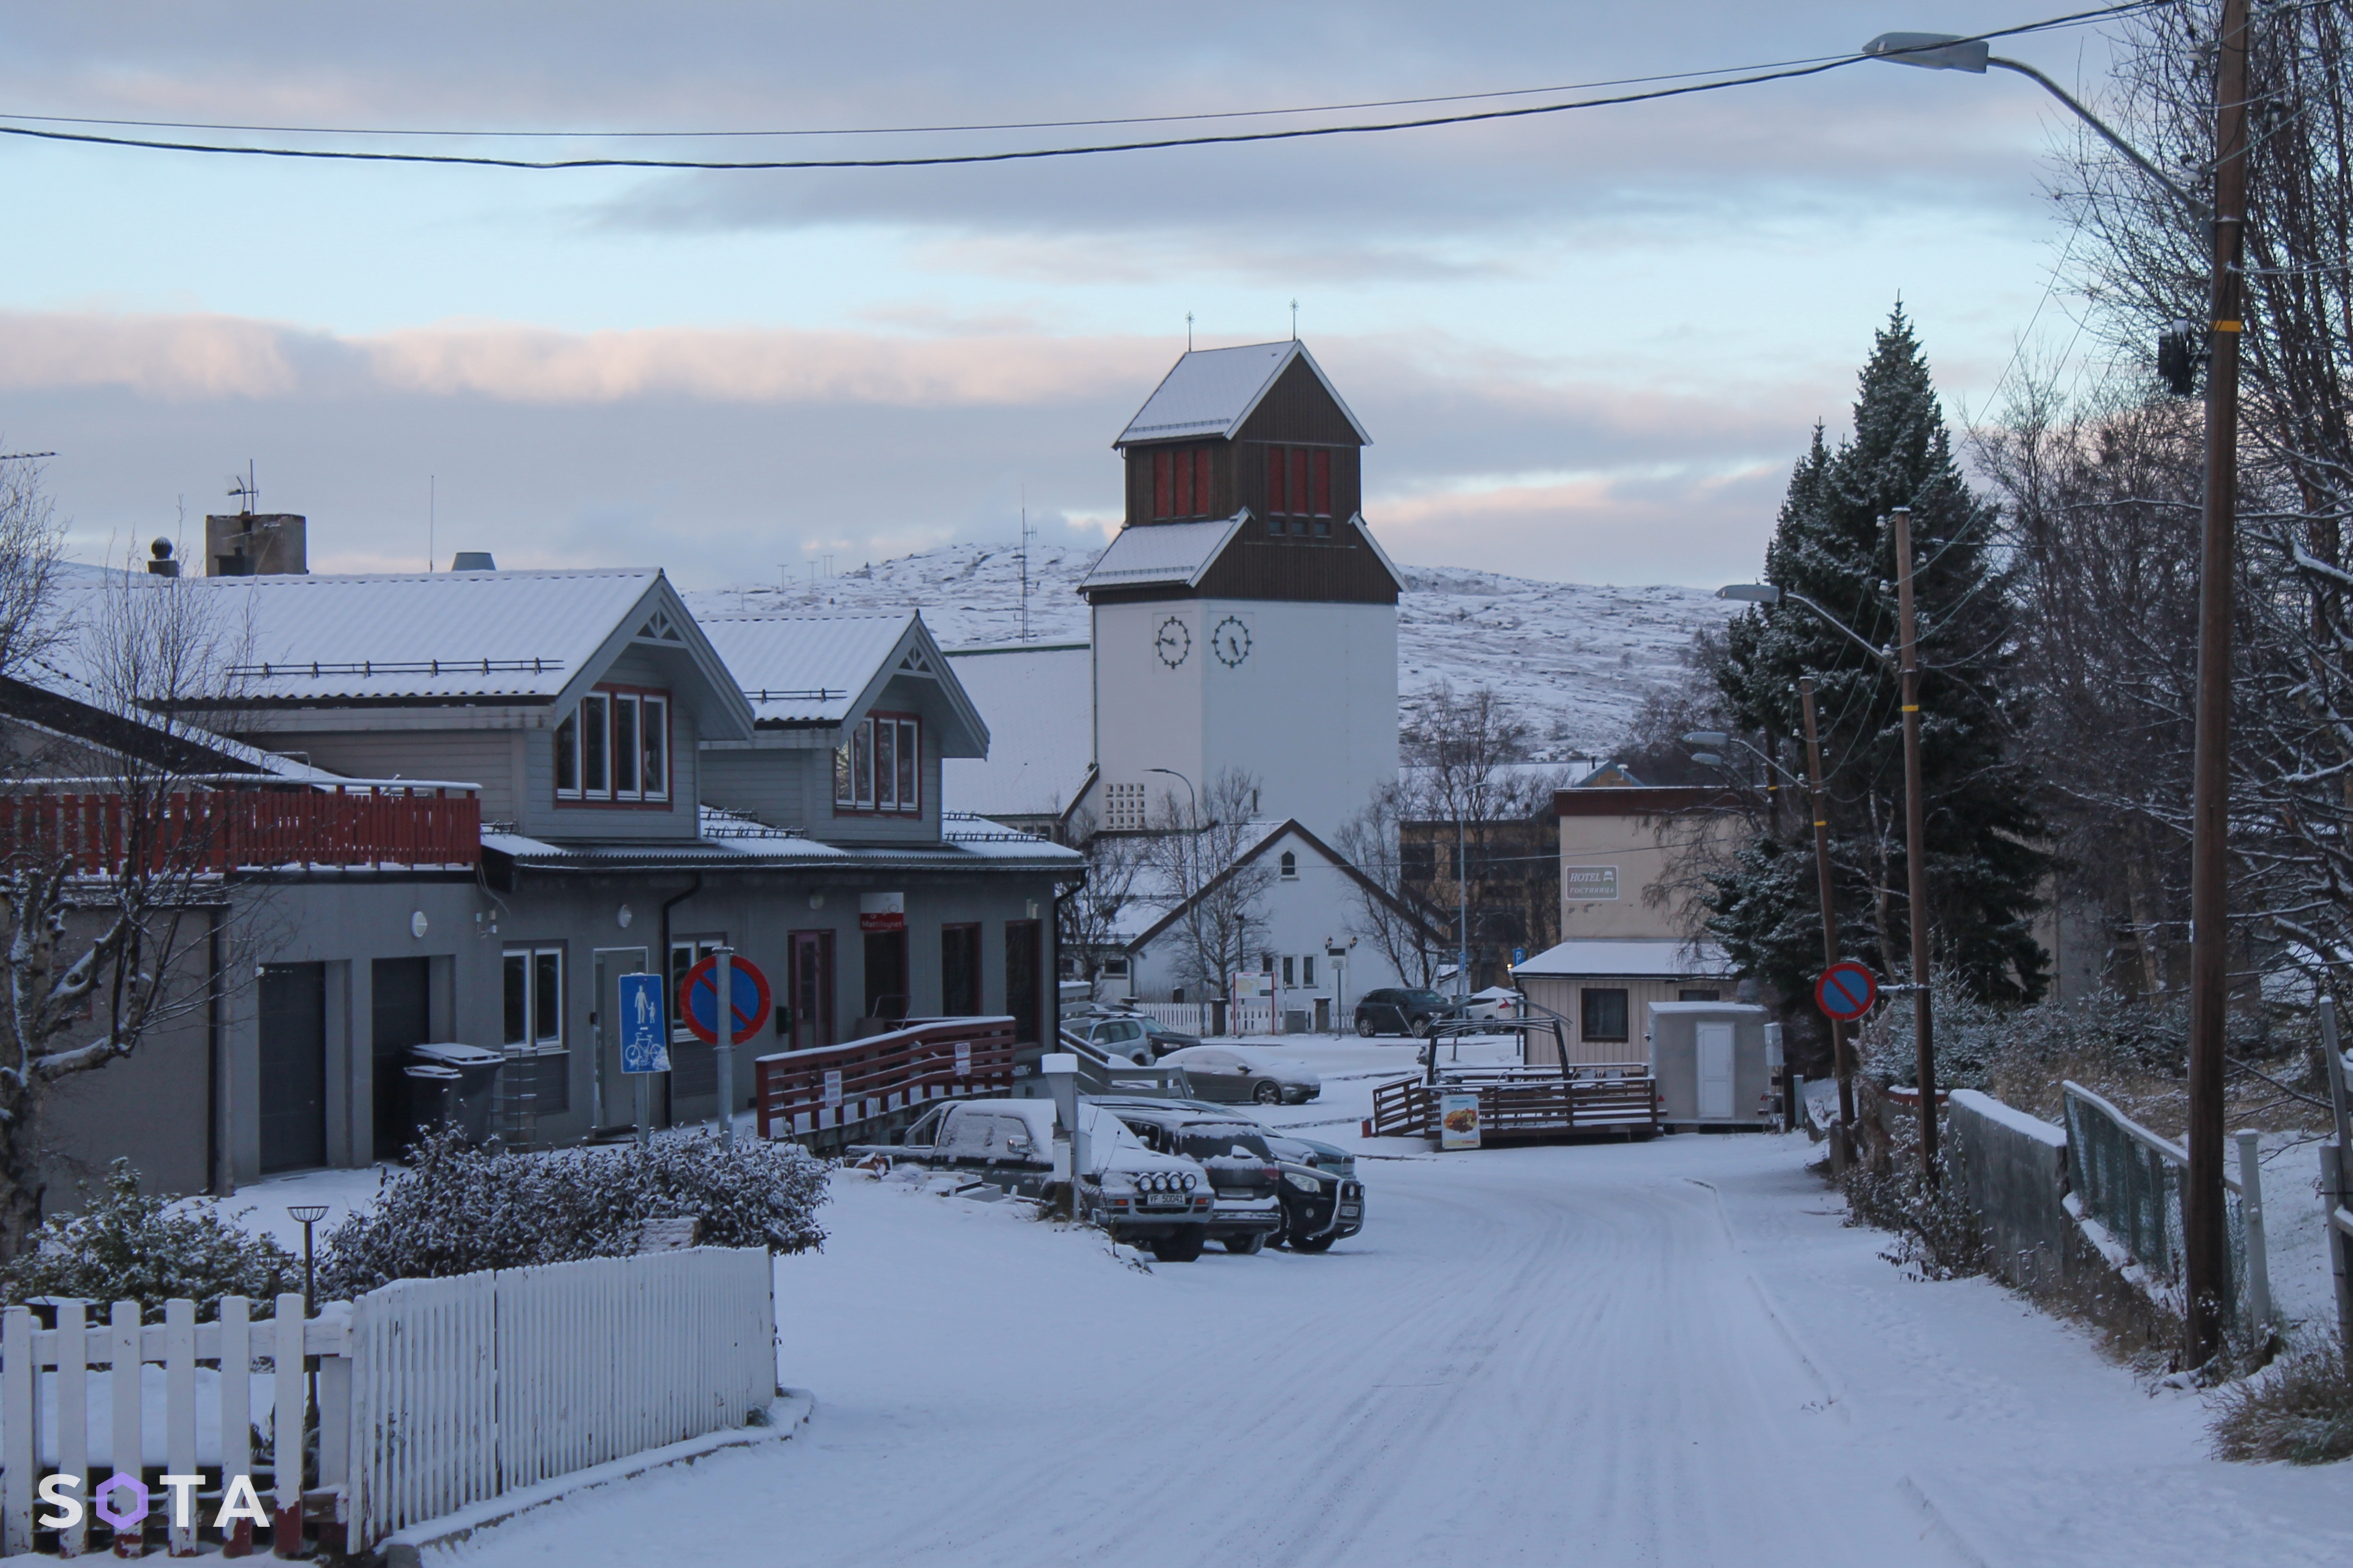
[2203,1217]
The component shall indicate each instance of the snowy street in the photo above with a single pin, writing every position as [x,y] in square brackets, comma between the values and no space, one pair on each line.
[1662,1353]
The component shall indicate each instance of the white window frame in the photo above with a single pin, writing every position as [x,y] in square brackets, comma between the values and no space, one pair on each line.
[604,726]
[654,721]
[863,739]
[651,711]
[631,703]
[542,1037]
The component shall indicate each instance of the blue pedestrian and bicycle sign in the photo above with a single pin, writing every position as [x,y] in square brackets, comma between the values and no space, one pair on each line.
[645,1032]
[1846,991]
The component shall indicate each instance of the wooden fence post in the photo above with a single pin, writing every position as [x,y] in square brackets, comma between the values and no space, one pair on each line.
[286,1425]
[73,1417]
[236,1411]
[2251,1208]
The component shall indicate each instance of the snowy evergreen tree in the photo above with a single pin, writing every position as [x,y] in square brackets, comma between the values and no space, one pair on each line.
[1833,545]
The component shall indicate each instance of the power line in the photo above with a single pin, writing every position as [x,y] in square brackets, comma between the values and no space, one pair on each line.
[937,159]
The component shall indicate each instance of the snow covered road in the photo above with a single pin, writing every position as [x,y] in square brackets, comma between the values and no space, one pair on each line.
[1671,1354]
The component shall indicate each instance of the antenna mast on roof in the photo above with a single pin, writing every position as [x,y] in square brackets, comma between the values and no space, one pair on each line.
[1022,555]
[432,514]
[1294,320]
[1188,332]
[245,489]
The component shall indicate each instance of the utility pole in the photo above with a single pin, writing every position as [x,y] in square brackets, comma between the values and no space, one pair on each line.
[1915,845]
[1842,1052]
[2205,1244]
[1461,912]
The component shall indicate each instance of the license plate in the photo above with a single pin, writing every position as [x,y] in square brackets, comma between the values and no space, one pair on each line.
[1165,1200]
[1350,1211]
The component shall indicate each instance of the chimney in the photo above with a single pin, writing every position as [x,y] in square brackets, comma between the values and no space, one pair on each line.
[473,561]
[161,563]
[256,544]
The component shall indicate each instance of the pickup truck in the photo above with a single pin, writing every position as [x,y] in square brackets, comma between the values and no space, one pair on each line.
[1160,1202]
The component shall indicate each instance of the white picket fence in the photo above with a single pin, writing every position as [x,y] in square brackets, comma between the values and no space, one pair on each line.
[47,1379]
[432,1394]
[1193,1017]
[1251,1018]
[463,1389]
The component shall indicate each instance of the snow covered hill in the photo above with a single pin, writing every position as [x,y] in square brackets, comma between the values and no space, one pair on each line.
[1574,661]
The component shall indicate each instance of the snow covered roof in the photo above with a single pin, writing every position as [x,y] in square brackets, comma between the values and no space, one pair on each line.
[750,847]
[829,669]
[1155,553]
[1039,701]
[1209,392]
[1635,959]
[300,642]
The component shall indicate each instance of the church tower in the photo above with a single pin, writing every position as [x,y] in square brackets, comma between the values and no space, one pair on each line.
[1244,618]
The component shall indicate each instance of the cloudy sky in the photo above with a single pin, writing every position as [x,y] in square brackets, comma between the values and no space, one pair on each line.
[1587,346]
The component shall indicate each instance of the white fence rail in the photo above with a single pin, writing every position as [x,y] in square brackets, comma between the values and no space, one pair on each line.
[50,1379]
[432,1394]
[466,1388]
[1193,1017]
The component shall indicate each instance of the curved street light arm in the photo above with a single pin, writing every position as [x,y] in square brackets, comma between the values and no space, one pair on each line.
[1853,637]
[2203,212]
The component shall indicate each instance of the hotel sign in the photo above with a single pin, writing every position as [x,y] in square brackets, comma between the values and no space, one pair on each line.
[1589,884]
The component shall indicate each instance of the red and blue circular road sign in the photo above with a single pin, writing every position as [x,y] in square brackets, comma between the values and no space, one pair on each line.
[1846,991]
[697,997]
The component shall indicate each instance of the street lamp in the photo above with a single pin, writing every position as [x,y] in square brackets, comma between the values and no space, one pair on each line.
[1192,801]
[1767,594]
[2203,1218]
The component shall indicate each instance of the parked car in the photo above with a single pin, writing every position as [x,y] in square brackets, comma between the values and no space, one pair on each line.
[1322,1201]
[1231,1073]
[1496,1002]
[1159,1038]
[1243,1172]
[1160,1201]
[1115,1035]
[1393,1010]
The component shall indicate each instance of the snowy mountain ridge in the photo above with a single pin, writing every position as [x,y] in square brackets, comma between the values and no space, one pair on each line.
[1573,660]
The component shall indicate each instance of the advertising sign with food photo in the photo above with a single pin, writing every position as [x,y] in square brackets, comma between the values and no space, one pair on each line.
[1458,1120]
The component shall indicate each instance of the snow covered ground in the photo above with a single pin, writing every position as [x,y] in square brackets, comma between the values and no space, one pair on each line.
[1574,661]
[1670,1354]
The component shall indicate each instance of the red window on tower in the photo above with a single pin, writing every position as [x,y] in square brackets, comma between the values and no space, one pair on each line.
[1184,485]
[1201,481]
[1274,482]
[1160,483]
[1297,492]
[1323,484]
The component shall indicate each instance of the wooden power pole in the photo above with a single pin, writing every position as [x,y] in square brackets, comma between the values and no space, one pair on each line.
[2205,1241]
[1842,1050]
[1916,846]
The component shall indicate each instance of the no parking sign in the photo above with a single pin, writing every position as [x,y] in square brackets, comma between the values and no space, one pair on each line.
[1846,991]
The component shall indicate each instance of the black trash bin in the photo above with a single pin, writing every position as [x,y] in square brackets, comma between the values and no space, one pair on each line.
[432,1100]
[473,1096]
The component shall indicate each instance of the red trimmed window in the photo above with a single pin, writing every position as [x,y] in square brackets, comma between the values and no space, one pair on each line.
[1299,487]
[1180,483]
[879,766]
[614,749]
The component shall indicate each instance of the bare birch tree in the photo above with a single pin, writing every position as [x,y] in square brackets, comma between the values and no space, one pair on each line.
[105,878]
[1220,903]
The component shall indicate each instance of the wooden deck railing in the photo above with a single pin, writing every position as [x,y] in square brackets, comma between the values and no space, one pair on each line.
[824,1091]
[217,830]
[1526,1105]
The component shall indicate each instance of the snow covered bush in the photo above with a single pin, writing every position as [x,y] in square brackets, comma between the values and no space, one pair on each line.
[458,1209]
[126,1246]
[2300,1409]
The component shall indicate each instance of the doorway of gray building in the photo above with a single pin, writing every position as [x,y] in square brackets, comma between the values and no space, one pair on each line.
[293,1066]
[399,1017]
[616,1099]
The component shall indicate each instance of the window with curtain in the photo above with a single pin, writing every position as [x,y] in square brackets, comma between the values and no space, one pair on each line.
[879,766]
[615,748]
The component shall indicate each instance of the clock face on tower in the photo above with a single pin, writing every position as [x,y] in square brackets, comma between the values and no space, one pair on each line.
[1231,642]
[1173,642]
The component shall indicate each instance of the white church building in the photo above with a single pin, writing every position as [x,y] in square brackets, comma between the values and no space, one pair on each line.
[1243,624]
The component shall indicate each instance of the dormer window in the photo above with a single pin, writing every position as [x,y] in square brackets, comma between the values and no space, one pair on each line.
[1290,867]
[1180,482]
[614,749]
[879,766]
[1299,491]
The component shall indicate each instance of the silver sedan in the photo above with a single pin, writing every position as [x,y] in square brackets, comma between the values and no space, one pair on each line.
[1235,1074]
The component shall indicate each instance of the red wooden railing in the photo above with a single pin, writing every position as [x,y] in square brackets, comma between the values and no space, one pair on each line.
[823,1090]
[240,829]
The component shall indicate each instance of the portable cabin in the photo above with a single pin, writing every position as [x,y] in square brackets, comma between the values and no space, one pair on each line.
[1709,1061]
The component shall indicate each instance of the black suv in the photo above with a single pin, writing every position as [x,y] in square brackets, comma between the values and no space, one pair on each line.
[1243,1172]
[1393,1010]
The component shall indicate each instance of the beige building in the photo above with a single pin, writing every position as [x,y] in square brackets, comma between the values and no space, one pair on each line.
[1626,855]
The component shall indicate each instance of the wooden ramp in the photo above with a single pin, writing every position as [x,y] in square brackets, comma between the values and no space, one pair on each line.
[1527,1105]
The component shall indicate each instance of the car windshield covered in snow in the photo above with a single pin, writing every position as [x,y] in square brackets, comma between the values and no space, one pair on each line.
[1228,1142]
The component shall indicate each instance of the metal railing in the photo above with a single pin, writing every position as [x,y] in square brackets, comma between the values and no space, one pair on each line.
[2129,1179]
